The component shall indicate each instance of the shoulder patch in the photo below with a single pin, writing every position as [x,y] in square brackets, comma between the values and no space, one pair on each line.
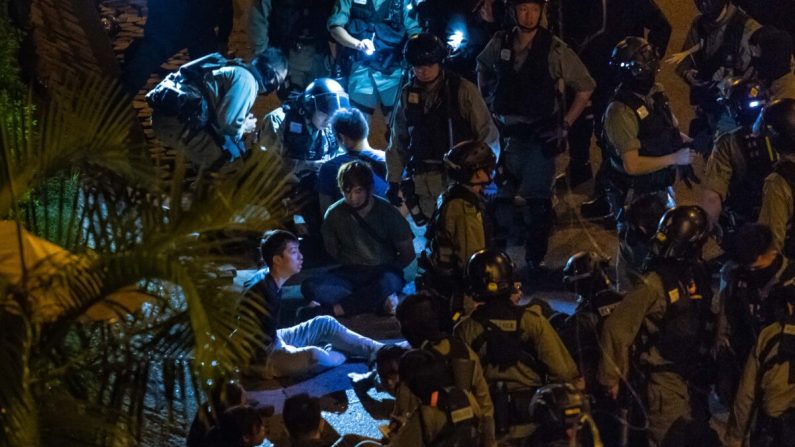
[642,112]
[505,325]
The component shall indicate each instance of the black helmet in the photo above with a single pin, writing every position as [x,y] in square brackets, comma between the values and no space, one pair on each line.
[711,9]
[585,273]
[777,122]
[743,98]
[514,3]
[271,68]
[635,58]
[642,217]
[424,49]
[490,274]
[325,95]
[682,232]
[558,406]
[466,158]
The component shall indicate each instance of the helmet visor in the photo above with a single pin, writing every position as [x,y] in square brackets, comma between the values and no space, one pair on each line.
[331,102]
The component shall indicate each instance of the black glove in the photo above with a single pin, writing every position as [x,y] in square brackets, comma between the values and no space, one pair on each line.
[393,194]
[688,175]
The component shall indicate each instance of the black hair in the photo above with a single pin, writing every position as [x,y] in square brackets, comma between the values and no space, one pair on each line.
[350,123]
[390,352]
[301,415]
[265,65]
[274,242]
[751,241]
[355,173]
[239,421]
[419,318]
[424,372]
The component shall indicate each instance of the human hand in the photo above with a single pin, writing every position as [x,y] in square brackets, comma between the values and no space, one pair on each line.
[612,391]
[684,156]
[366,45]
[691,76]
[250,124]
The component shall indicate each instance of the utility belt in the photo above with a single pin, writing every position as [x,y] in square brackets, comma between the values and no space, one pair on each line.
[774,432]
[426,166]
[511,408]
[525,131]
[640,184]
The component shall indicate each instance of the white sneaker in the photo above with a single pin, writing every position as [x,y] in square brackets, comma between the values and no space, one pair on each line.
[391,304]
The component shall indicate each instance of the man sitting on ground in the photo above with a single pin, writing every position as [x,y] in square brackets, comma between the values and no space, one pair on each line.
[303,421]
[306,348]
[373,243]
[350,129]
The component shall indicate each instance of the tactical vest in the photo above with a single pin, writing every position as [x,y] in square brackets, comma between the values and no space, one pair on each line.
[500,344]
[727,54]
[461,427]
[386,24]
[299,143]
[785,340]
[658,137]
[298,21]
[745,188]
[529,92]
[786,169]
[686,328]
[441,247]
[430,131]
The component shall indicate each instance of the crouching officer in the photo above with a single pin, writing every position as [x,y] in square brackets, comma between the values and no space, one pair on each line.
[447,415]
[767,388]
[437,110]
[460,226]
[518,348]
[737,167]
[777,122]
[670,312]
[560,410]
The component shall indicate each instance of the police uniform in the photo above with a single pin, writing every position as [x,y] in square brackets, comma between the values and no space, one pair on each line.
[672,356]
[777,204]
[459,227]
[736,170]
[538,357]
[645,124]
[525,100]
[767,386]
[468,375]
[422,134]
[783,87]
[298,28]
[434,424]
[374,79]
[289,133]
[724,52]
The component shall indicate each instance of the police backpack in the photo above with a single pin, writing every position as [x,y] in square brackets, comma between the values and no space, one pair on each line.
[500,344]
[183,93]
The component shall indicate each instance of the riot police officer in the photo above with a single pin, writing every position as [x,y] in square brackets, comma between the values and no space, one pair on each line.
[777,122]
[670,310]
[298,28]
[518,348]
[437,110]
[561,411]
[718,45]
[522,73]
[767,388]
[460,226]
[740,161]
[371,34]
[754,269]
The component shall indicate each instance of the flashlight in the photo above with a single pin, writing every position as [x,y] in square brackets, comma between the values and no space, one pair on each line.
[371,51]
[754,104]
[455,40]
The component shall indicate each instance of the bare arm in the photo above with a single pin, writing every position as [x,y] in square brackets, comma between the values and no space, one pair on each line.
[636,164]
[577,106]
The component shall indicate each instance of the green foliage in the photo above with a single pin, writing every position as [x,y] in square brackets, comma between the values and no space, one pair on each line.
[9,48]
[75,372]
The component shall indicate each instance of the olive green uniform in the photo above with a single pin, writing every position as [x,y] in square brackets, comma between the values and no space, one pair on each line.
[434,420]
[473,110]
[462,223]
[537,333]
[667,392]
[783,87]
[725,161]
[777,208]
[406,403]
[776,392]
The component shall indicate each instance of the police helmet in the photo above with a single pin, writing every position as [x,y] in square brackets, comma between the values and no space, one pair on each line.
[490,274]
[424,49]
[777,122]
[514,3]
[585,273]
[743,98]
[558,406]
[271,69]
[711,9]
[682,232]
[466,158]
[324,95]
[635,58]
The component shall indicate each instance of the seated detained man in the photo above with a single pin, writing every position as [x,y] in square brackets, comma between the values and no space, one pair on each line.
[301,349]
[349,127]
[370,240]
